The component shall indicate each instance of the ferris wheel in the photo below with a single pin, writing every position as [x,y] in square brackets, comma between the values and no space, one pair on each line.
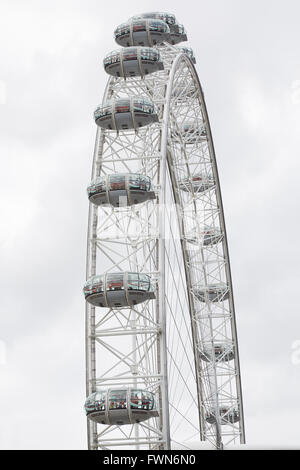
[162,363]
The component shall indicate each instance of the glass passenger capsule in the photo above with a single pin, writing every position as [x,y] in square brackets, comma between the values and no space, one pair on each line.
[211,236]
[213,293]
[193,132]
[142,32]
[189,52]
[133,62]
[222,352]
[208,236]
[120,189]
[177,32]
[197,183]
[228,415]
[121,406]
[116,290]
[125,113]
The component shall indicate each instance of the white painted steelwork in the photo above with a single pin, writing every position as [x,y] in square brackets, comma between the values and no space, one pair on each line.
[164,344]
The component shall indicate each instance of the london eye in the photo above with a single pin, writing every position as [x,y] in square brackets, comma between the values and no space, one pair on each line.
[162,360]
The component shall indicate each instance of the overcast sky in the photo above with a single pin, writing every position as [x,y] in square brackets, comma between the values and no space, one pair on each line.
[51,79]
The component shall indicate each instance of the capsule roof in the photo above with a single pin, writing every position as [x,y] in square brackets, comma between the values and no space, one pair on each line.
[168,18]
[177,31]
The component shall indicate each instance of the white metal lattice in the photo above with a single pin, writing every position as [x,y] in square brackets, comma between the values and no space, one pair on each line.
[165,345]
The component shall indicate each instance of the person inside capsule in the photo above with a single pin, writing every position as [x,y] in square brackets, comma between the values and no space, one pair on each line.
[118,400]
[100,402]
[142,400]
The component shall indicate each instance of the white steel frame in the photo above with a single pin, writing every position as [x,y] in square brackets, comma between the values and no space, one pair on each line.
[156,345]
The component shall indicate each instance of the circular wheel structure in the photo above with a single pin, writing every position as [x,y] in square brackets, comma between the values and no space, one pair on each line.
[162,364]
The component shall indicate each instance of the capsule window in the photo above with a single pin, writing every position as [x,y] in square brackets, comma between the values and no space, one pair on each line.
[106,110]
[135,399]
[122,30]
[117,399]
[156,26]
[90,403]
[154,55]
[98,112]
[97,186]
[114,282]
[144,282]
[146,54]
[97,285]
[122,106]
[148,108]
[117,182]
[112,58]
[125,29]
[134,182]
[138,282]
[130,54]
[166,17]
[144,183]
[138,106]
[100,401]
[100,186]
[93,285]
[143,106]
[133,282]
[139,26]
[141,400]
